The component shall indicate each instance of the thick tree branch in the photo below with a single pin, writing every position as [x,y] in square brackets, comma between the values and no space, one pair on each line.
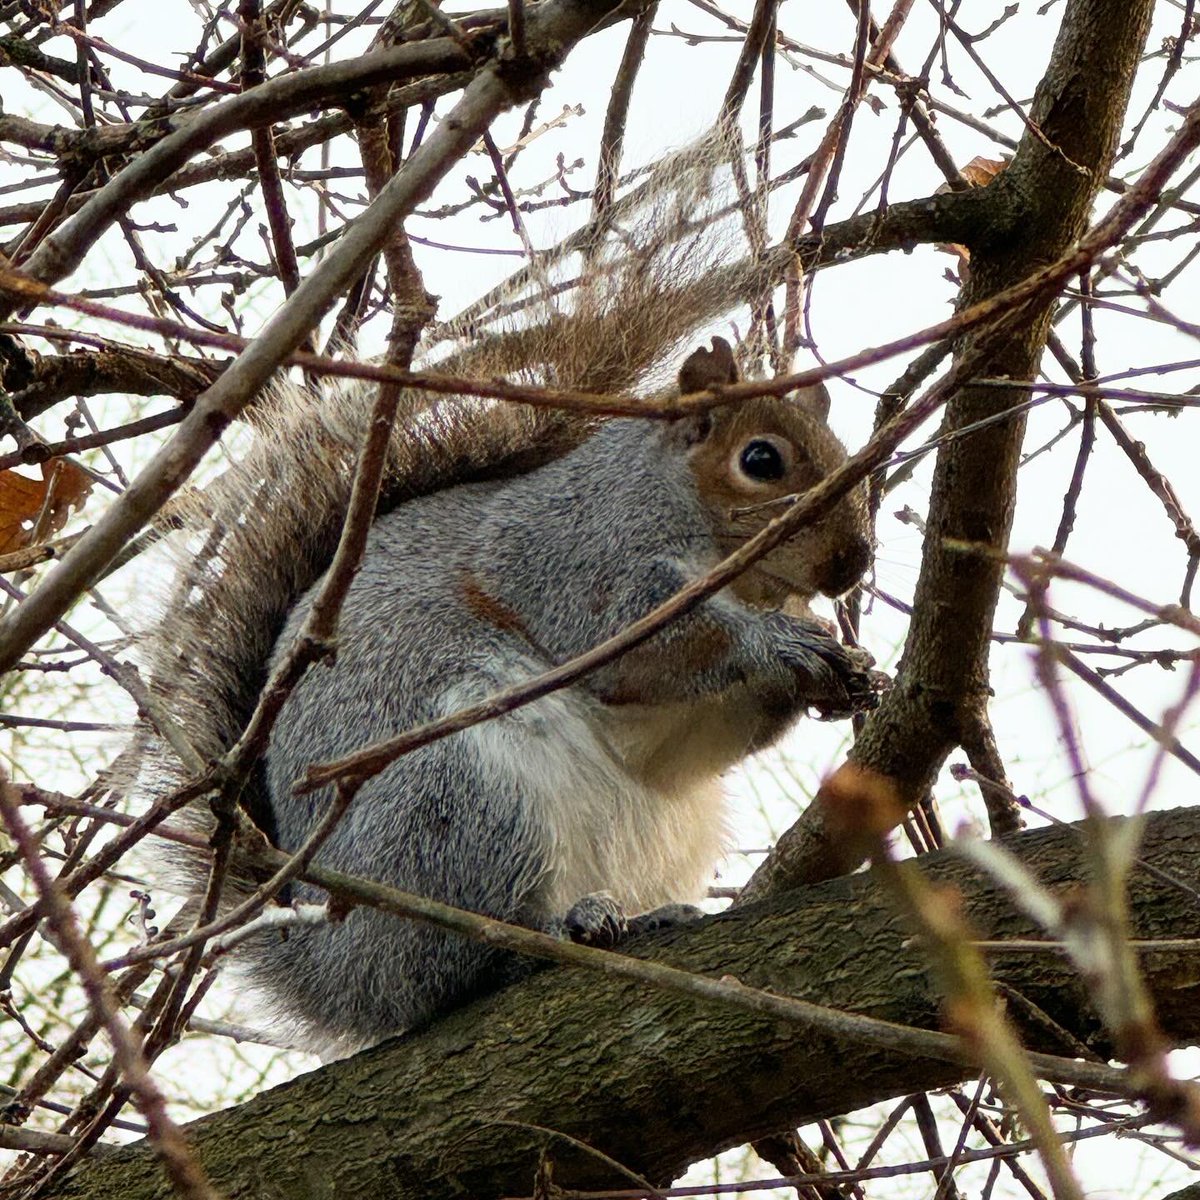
[116,369]
[1039,208]
[659,1080]
[966,218]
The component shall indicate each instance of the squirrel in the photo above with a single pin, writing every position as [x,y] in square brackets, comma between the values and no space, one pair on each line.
[508,540]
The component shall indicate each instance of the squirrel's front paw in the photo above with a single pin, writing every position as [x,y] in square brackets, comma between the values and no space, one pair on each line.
[836,681]
[857,686]
[596,920]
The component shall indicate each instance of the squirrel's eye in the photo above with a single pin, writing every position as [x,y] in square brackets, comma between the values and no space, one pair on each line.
[762,461]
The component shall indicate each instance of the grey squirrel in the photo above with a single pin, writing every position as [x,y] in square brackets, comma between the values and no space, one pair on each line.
[510,540]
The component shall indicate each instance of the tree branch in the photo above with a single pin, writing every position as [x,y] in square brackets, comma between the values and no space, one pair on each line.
[552,32]
[1039,209]
[659,1080]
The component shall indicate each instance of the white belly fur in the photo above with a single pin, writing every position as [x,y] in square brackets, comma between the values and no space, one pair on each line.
[605,821]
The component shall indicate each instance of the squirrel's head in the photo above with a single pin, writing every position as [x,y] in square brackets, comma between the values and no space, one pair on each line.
[746,456]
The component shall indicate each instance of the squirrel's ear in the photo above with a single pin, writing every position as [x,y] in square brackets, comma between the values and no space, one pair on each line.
[707,368]
[816,400]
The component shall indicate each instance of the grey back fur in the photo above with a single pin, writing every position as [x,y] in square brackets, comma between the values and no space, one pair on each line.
[476,577]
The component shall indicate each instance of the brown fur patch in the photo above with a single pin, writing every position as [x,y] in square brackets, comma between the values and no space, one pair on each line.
[487,607]
[689,656]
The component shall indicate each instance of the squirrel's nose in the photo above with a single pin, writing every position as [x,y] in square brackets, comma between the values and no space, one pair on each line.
[845,566]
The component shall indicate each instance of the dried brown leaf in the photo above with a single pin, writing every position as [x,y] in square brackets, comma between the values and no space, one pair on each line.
[37,508]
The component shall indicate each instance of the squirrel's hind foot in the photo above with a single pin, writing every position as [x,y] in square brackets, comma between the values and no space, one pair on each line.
[595,920]
[599,920]
[668,916]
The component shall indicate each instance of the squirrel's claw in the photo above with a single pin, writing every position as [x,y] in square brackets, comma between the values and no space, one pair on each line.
[858,686]
[596,920]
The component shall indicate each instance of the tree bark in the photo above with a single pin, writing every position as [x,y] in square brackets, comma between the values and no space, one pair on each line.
[656,1081]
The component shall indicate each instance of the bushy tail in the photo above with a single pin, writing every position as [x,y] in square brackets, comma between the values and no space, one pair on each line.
[612,311]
